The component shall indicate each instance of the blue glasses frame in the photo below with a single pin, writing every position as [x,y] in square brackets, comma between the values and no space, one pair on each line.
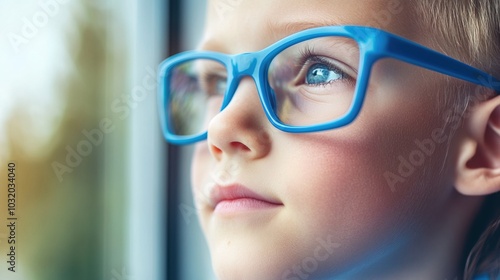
[374,44]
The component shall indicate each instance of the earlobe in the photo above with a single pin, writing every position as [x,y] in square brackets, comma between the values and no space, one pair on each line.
[478,162]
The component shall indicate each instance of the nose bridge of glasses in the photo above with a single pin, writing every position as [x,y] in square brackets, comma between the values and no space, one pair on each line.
[244,64]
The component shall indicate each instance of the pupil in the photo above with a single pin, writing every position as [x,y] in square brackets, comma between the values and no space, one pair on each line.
[317,74]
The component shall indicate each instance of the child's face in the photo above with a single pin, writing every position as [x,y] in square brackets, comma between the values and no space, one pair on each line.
[334,208]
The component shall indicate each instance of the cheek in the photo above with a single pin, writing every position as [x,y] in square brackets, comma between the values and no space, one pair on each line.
[341,194]
[336,184]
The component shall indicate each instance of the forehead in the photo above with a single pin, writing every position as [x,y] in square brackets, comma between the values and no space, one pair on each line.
[249,25]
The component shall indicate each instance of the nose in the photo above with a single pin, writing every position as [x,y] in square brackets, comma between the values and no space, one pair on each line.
[241,128]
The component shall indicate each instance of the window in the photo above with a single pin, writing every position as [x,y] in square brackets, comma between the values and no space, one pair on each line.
[78,119]
[187,254]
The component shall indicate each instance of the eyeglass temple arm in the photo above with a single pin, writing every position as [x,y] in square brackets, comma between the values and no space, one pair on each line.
[419,55]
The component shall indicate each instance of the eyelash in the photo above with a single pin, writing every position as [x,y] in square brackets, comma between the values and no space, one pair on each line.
[307,54]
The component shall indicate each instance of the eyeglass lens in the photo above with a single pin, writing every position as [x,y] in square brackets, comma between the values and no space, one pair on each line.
[312,82]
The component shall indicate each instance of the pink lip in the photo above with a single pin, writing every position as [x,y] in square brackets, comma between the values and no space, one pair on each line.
[235,198]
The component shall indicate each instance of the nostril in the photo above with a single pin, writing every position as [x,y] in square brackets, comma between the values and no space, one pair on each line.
[239,146]
[215,150]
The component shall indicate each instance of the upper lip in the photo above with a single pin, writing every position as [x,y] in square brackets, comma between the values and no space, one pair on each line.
[236,191]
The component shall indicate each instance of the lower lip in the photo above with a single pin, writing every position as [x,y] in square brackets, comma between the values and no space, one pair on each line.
[243,204]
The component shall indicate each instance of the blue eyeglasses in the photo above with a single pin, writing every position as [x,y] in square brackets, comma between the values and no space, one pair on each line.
[311,81]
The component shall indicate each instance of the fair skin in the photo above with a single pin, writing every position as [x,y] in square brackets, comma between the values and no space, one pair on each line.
[329,187]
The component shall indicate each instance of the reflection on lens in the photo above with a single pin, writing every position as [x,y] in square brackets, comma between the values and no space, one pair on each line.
[313,81]
[196,90]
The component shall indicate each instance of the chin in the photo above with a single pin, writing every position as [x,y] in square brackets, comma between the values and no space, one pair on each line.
[250,262]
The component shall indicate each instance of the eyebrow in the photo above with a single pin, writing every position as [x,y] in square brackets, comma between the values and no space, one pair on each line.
[279,30]
[285,28]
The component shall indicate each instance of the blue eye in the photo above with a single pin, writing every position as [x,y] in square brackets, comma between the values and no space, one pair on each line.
[320,73]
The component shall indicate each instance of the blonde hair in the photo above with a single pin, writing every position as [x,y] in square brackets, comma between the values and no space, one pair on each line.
[469,30]
[466,29]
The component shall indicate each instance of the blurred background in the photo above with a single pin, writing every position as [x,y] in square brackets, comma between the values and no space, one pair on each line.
[99,194]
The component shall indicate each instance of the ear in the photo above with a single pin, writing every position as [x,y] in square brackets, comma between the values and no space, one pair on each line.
[478,164]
